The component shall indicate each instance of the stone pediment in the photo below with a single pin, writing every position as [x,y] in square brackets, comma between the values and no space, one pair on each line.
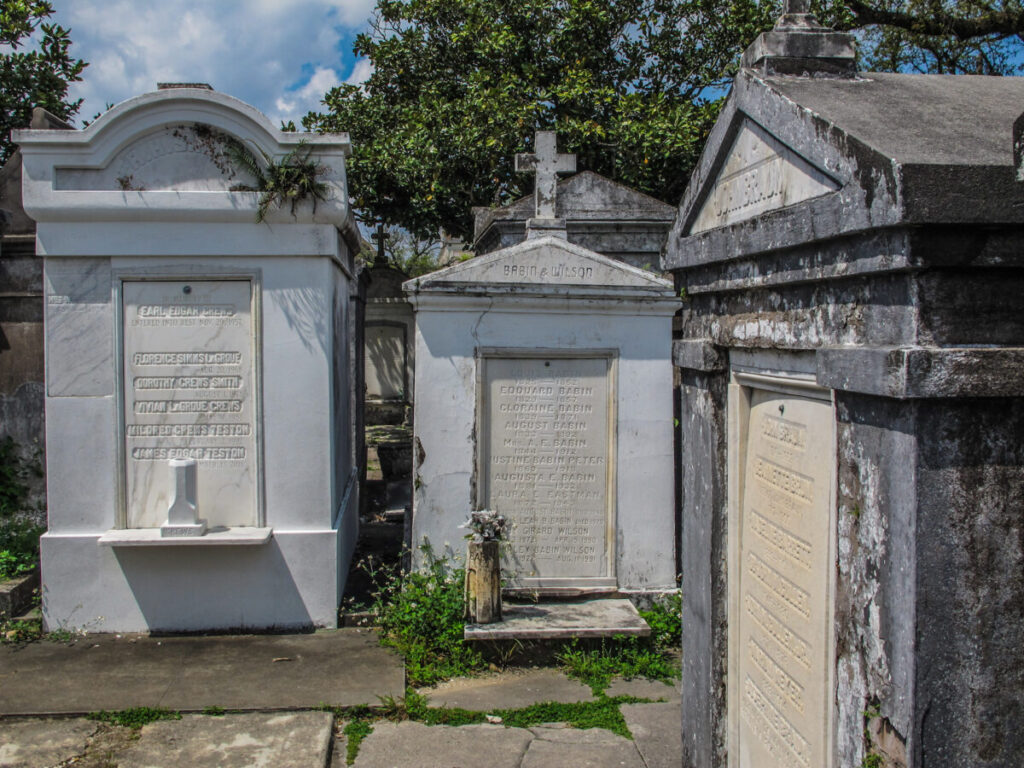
[543,264]
[165,155]
[759,174]
[185,157]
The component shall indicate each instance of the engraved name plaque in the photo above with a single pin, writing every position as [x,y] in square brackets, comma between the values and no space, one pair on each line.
[759,175]
[546,466]
[784,599]
[189,394]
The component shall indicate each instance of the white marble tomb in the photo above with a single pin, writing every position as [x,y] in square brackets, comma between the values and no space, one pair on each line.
[180,329]
[544,391]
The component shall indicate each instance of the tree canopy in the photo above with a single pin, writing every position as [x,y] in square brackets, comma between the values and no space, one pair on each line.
[632,87]
[33,78]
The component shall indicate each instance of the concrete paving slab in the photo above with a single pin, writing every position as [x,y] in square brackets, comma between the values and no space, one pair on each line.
[31,743]
[397,745]
[508,690]
[580,748]
[644,689]
[655,728]
[249,740]
[540,621]
[97,672]
[338,667]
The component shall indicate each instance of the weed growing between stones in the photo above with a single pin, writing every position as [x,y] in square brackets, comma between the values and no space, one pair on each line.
[15,632]
[603,713]
[19,535]
[651,657]
[420,616]
[355,731]
[665,619]
[626,657]
[134,717]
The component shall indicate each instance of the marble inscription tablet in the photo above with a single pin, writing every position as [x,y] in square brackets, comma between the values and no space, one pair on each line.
[189,394]
[546,465]
[784,603]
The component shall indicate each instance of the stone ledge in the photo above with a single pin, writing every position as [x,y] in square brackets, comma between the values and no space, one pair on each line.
[545,621]
[15,593]
[697,355]
[923,372]
[215,537]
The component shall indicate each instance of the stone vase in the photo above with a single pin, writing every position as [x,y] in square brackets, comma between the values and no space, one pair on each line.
[483,583]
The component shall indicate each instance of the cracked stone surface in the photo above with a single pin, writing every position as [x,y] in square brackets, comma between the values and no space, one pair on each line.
[656,730]
[590,748]
[251,740]
[644,689]
[494,746]
[29,743]
[441,746]
[508,690]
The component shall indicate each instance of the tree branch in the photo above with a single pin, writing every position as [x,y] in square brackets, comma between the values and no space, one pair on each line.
[990,23]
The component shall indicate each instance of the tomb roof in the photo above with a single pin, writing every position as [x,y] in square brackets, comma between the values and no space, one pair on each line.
[917,119]
[794,160]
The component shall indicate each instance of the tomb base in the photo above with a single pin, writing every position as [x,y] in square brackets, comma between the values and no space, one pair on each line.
[553,621]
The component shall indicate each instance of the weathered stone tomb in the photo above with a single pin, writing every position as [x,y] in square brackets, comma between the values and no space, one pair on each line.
[184,337]
[599,214]
[850,247]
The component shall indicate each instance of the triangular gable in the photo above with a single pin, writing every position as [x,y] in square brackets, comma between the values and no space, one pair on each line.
[759,174]
[548,262]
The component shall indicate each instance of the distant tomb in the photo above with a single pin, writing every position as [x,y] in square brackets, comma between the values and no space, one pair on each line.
[390,347]
[199,377]
[595,212]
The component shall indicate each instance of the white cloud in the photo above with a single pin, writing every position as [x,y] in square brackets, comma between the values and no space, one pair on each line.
[281,56]
[306,98]
[361,72]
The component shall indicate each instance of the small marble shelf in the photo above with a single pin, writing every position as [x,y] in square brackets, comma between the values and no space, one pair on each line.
[215,537]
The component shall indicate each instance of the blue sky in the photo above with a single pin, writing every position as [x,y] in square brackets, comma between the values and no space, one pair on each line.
[281,56]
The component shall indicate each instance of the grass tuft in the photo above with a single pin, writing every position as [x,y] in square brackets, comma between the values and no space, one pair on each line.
[355,731]
[134,717]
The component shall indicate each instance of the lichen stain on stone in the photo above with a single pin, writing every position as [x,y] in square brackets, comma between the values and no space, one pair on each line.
[862,659]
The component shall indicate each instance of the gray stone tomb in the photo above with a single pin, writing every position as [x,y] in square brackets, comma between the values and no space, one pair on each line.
[852,411]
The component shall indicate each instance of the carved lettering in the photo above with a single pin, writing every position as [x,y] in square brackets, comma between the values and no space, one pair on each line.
[188,389]
[547,463]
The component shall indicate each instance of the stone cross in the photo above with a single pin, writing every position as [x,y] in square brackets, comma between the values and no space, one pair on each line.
[790,7]
[547,164]
[381,236]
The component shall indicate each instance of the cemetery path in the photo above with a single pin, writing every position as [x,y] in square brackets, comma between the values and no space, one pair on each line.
[44,684]
[341,667]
